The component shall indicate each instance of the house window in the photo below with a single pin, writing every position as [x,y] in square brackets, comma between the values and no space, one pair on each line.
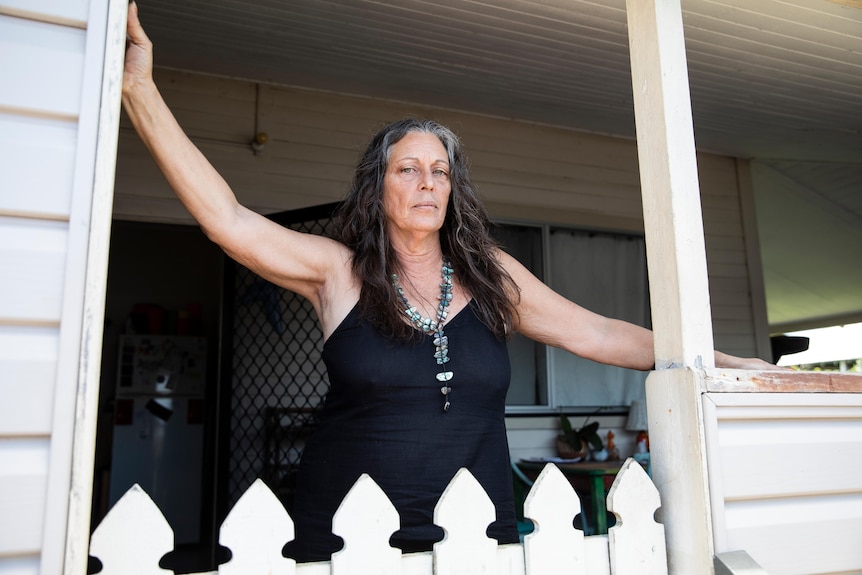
[604,272]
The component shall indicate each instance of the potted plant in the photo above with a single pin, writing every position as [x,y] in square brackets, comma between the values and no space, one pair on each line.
[576,444]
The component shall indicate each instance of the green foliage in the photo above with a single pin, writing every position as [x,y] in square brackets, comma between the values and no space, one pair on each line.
[588,434]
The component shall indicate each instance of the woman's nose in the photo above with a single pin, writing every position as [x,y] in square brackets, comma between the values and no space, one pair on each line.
[427,180]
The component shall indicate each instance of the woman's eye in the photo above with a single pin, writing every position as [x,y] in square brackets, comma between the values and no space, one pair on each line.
[408,170]
[440,172]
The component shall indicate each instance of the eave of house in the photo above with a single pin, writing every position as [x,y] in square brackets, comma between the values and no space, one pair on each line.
[779,83]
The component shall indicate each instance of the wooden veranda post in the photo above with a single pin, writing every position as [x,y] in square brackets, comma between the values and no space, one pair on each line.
[678,279]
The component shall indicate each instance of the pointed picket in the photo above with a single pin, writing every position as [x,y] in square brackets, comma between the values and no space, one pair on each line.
[555,546]
[637,542]
[255,531]
[134,536]
[124,550]
[465,511]
[366,519]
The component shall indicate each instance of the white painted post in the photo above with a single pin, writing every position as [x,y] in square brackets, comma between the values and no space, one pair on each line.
[678,447]
[670,192]
[678,279]
[73,444]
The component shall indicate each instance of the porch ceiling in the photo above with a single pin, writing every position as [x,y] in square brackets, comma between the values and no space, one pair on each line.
[777,81]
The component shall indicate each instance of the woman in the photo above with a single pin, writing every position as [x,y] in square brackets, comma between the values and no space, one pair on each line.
[415,301]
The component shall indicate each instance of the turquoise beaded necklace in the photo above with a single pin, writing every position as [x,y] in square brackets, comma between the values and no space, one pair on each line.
[432,327]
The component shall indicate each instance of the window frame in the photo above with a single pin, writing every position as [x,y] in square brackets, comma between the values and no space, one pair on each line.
[550,380]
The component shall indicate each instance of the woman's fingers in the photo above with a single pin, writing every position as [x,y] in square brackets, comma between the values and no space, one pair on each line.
[139,58]
[134,30]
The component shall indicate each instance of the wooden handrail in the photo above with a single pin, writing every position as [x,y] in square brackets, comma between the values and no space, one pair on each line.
[781,381]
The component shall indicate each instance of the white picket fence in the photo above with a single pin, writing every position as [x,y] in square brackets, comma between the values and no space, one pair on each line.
[134,535]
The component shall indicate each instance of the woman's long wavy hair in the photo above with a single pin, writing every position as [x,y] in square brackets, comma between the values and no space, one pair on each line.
[465,238]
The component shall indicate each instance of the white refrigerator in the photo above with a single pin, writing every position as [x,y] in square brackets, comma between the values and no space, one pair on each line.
[159,426]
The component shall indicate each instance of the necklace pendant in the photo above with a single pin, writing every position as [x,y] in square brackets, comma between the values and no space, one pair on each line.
[445,391]
[444,376]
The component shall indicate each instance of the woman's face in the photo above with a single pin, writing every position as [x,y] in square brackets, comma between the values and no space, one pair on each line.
[416,185]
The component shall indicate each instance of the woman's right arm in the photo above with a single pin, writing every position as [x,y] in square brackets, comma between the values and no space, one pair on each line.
[299,262]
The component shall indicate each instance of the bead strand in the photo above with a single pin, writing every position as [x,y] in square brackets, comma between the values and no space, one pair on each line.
[434,327]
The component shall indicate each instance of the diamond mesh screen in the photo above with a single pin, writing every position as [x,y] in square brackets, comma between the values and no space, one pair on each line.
[277,379]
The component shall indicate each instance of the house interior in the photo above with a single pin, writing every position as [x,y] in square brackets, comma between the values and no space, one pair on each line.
[777,86]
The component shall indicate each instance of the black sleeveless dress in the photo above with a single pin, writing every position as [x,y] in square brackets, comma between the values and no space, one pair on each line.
[384,416]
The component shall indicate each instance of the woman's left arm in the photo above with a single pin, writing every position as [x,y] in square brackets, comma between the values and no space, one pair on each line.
[548,317]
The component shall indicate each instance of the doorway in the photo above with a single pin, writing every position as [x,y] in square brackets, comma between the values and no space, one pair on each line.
[264,380]
[164,285]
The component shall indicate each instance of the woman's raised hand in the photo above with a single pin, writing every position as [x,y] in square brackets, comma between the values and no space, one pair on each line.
[139,52]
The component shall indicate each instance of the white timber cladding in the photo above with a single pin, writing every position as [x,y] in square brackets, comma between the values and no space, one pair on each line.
[51,60]
[523,171]
[71,13]
[784,479]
